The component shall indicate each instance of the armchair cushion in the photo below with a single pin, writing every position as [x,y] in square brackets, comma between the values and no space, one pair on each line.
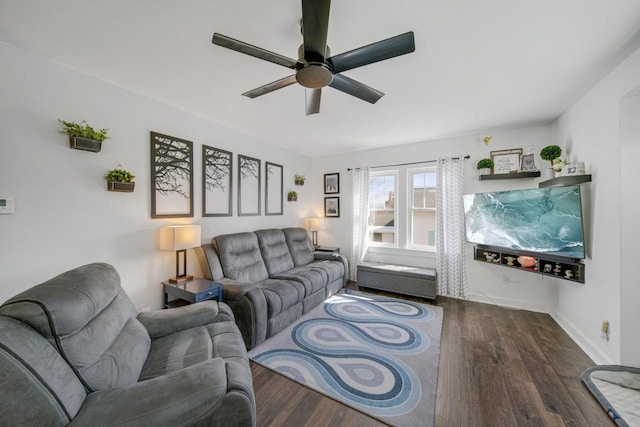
[159,323]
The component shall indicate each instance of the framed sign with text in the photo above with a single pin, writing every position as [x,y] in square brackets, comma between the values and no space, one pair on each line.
[506,161]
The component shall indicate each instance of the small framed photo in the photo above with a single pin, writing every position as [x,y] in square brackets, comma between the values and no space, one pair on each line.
[332,207]
[331,183]
[506,161]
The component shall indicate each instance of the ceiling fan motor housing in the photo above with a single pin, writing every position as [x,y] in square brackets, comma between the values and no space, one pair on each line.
[314,75]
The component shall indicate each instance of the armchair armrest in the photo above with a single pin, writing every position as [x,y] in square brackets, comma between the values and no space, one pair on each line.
[164,322]
[180,398]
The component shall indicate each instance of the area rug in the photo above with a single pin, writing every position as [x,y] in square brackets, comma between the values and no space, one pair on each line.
[376,354]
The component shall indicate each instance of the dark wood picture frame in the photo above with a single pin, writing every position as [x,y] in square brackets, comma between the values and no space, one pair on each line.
[217,182]
[273,189]
[171,176]
[332,207]
[332,183]
[249,176]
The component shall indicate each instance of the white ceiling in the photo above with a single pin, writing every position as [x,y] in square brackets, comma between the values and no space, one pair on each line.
[478,64]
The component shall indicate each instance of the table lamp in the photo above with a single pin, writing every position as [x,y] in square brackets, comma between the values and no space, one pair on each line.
[179,238]
[313,225]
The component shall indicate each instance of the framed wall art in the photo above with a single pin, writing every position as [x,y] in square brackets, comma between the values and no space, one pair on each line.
[248,186]
[273,199]
[332,207]
[217,182]
[331,183]
[506,161]
[171,177]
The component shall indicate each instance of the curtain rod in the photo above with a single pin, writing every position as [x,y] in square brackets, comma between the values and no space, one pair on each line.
[407,164]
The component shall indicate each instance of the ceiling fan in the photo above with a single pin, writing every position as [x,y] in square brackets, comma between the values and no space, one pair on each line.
[315,68]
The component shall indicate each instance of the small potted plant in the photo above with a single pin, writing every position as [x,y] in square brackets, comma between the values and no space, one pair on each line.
[550,153]
[300,179]
[119,179]
[484,166]
[292,196]
[82,136]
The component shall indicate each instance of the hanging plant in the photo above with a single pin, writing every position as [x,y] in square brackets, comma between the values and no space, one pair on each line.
[119,179]
[82,136]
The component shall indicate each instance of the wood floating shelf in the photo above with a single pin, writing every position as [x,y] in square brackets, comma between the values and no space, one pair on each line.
[562,181]
[572,270]
[514,175]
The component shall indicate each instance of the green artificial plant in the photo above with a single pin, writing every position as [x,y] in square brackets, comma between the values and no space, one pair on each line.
[83,130]
[485,164]
[550,153]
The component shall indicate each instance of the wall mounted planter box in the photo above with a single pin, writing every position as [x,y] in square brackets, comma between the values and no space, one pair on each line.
[292,199]
[299,181]
[85,144]
[124,187]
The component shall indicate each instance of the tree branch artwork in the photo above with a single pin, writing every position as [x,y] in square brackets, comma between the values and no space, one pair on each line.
[171,174]
[217,168]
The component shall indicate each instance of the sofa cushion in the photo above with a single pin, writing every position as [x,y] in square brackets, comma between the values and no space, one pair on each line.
[300,245]
[275,251]
[313,279]
[333,269]
[281,295]
[87,316]
[240,257]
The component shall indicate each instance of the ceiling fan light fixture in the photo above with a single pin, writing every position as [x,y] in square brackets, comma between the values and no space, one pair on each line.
[315,75]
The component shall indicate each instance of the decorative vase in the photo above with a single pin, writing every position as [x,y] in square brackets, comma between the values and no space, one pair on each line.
[526,261]
[124,187]
[85,144]
[484,171]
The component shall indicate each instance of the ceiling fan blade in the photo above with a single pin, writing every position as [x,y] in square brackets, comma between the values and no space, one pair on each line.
[270,87]
[379,51]
[355,88]
[312,100]
[248,49]
[315,23]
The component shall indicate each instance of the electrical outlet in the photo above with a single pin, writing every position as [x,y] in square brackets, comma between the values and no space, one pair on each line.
[604,330]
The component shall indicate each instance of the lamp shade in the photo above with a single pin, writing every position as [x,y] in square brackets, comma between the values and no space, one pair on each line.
[179,237]
[312,224]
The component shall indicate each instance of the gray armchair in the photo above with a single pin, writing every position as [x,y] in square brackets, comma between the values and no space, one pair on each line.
[73,351]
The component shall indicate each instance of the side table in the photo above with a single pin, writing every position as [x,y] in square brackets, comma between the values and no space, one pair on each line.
[191,291]
[327,249]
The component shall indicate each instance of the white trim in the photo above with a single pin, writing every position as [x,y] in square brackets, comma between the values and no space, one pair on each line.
[598,357]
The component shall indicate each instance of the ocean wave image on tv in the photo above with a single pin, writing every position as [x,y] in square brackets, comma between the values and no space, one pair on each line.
[546,220]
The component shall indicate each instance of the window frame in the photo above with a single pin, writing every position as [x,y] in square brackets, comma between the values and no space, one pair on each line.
[396,174]
[410,209]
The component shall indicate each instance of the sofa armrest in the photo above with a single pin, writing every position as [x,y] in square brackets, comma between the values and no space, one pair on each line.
[164,322]
[182,397]
[334,257]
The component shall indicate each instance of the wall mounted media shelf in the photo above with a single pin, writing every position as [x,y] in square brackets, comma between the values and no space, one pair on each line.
[534,174]
[551,266]
[565,180]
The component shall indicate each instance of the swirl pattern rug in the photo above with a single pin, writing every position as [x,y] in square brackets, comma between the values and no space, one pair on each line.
[376,354]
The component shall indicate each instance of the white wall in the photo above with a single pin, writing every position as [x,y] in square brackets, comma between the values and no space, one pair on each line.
[487,283]
[64,216]
[590,129]
[630,210]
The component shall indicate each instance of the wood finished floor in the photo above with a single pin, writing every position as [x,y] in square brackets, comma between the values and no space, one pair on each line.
[498,368]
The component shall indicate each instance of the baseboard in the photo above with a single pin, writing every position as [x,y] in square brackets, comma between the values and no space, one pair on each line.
[598,357]
[509,303]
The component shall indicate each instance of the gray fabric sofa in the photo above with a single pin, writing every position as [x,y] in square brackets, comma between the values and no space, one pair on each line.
[74,352]
[271,277]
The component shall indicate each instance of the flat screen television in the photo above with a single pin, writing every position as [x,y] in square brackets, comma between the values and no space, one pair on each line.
[545,221]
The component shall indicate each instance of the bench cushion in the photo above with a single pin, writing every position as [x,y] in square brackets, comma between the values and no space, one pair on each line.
[401,279]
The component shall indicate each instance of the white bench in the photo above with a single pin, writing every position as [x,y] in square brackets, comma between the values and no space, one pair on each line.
[400,279]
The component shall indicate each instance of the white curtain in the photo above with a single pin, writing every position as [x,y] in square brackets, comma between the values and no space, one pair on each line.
[360,216]
[450,231]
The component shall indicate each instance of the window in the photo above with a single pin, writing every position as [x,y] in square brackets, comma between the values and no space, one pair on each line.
[402,208]
[422,207]
[382,208]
